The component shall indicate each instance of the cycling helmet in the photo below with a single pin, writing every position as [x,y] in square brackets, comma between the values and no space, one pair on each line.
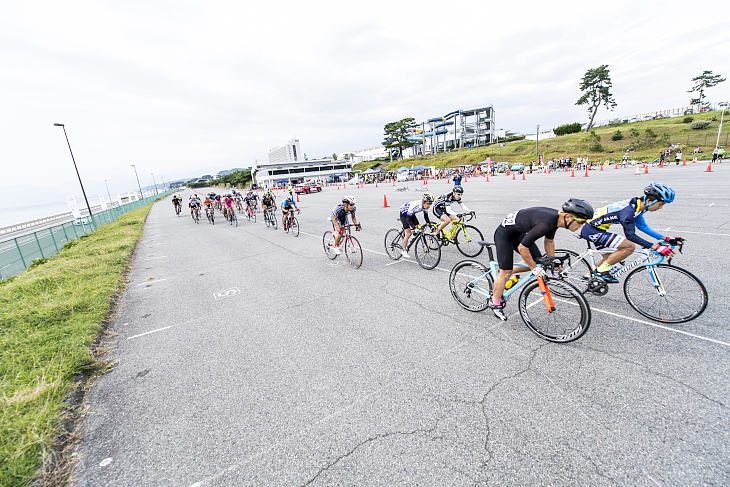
[427,198]
[580,208]
[659,192]
[458,190]
[290,198]
[349,199]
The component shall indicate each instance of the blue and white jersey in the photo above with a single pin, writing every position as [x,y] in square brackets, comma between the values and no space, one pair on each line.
[286,204]
[412,207]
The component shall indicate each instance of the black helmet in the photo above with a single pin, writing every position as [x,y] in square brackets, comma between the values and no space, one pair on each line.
[580,208]
[458,189]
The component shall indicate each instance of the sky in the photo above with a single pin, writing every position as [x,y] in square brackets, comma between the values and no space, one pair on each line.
[183,88]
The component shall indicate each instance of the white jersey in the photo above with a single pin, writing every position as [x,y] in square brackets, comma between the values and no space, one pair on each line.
[412,207]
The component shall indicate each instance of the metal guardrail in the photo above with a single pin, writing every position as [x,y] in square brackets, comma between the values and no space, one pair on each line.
[17,254]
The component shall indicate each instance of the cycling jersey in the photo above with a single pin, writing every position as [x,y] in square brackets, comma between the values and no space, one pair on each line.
[443,203]
[339,213]
[267,201]
[228,202]
[286,204]
[524,227]
[176,201]
[628,215]
[249,200]
[413,207]
[208,201]
[194,203]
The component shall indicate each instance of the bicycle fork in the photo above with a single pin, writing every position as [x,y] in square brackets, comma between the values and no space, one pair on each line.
[656,281]
[546,295]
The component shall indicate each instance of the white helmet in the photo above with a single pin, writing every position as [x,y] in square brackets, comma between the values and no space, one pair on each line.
[348,198]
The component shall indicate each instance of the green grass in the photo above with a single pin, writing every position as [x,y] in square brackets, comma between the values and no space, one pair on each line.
[577,144]
[50,317]
[365,165]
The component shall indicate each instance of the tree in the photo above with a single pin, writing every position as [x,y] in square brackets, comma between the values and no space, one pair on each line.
[396,134]
[595,87]
[334,156]
[702,82]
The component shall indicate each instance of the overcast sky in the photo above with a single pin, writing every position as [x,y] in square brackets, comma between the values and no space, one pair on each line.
[184,88]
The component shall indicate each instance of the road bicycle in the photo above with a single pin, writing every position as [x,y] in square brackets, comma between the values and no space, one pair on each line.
[465,237]
[291,223]
[426,246]
[661,292]
[210,213]
[352,248]
[551,308]
[195,214]
[239,206]
[232,218]
[178,209]
[270,218]
[250,214]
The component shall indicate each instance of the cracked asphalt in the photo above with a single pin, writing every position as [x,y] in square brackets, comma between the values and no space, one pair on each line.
[243,356]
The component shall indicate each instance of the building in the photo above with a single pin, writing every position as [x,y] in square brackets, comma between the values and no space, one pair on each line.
[291,152]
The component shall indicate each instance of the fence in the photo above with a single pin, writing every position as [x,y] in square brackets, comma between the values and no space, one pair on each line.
[17,254]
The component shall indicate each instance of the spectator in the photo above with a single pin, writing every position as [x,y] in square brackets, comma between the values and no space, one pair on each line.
[457,179]
[714,155]
[678,156]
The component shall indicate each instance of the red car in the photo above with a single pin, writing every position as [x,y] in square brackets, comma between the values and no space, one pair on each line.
[307,188]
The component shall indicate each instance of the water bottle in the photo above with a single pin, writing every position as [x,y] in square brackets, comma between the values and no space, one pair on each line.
[513,280]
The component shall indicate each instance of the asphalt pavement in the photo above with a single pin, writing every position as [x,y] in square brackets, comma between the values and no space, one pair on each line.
[244,356]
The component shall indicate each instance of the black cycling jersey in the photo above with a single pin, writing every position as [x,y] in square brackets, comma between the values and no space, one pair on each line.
[535,223]
[445,200]
[340,213]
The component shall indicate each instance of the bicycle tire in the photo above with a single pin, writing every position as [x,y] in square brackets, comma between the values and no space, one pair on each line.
[464,282]
[570,319]
[353,252]
[274,221]
[575,274]
[427,251]
[294,227]
[685,296]
[254,217]
[235,219]
[467,241]
[393,246]
[328,242]
[267,219]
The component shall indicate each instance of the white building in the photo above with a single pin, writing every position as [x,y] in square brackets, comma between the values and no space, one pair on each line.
[266,174]
[291,152]
[369,154]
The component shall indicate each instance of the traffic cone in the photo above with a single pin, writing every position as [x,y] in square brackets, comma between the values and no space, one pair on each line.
[684,162]
[572,173]
[376,184]
[523,176]
[646,169]
[487,178]
[586,174]
[638,171]
[297,197]
[616,166]
[694,160]
[385,202]
[709,167]
[601,167]
[448,180]
[393,183]
[513,176]
[661,164]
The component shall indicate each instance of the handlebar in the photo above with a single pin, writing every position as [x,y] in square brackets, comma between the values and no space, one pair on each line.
[549,263]
[471,216]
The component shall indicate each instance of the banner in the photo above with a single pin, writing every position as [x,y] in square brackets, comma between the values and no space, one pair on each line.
[102,202]
[72,204]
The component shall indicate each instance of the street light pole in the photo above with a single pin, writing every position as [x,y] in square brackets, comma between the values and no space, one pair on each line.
[108,193]
[537,142]
[163,183]
[88,207]
[153,180]
[138,185]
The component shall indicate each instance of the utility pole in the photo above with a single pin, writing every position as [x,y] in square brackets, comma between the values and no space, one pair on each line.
[537,142]
[719,129]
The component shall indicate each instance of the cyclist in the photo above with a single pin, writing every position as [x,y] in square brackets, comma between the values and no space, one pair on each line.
[208,204]
[227,205]
[194,204]
[339,218]
[250,201]
[217,202]
[442,207]
[238,199]
[268,201]
[255,197]
[409,219]
[287,206]
[176,202]
[520,230]
[630,214]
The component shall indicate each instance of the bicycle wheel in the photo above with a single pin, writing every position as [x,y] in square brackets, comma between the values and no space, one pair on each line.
[267,219]
[471,285]
[684,296]
[467,241]
[576,273]
[428,251]
[328,242]
[287,224]
[294,227]
[393,246]
[234,218]
[274,221]
[567,322]
[253,217]
[353,251]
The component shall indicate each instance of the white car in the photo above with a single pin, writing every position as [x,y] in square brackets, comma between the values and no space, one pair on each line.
[402,176]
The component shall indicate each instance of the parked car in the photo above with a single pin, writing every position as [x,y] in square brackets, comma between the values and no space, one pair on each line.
[501,166]
[402,176]
[307,188]
[517,166]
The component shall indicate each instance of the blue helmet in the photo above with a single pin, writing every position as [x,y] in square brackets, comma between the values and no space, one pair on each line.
[659,192]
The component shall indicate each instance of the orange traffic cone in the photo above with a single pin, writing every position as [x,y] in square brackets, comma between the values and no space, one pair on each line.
[448,180]
[572,173]
[646,169]
[513,176]
[601,167]
[376,184]
[709,167]
[523,176]
[684,162]
[694,160]
[487,178]
[586,174]
[297,197]
[616,166]
[385,202]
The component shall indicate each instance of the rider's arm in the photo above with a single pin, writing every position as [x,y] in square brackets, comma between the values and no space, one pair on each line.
[627,218]
[644,227]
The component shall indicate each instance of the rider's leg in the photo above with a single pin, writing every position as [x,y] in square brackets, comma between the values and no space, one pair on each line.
[338,228]
[445,220]
[625,248]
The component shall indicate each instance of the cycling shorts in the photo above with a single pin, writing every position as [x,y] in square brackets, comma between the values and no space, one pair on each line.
[602,239]
[440,210]
[408,221]
[507,242]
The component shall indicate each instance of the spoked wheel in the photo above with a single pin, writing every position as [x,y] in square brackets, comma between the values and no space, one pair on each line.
[274,220]
[328,242]
[353,251]
[428,251]
[294,227]
[234,219]
[253,216]
[467,241]
[683,297]
[393,240]
[568,321]
[471,285]
[267,219]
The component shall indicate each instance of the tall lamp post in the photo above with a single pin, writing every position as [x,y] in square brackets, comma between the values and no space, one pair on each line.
[163,183]
[153,180]
[138,185]
[108,193]
[88,207]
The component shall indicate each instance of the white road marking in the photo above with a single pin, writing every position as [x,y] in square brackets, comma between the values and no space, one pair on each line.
[153,331]
[151,281]
[160,257]
[705,233]
[712,204]
[227,293]
[105,462]
[397,261]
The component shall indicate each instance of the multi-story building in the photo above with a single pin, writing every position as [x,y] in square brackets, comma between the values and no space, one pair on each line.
[291,152]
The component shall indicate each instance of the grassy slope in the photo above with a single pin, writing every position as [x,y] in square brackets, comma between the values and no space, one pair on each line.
[49,318]
[575,144]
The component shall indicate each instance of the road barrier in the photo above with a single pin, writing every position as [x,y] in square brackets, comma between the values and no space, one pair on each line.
[17,254]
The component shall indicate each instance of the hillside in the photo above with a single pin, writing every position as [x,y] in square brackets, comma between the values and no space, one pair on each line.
[668,131]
